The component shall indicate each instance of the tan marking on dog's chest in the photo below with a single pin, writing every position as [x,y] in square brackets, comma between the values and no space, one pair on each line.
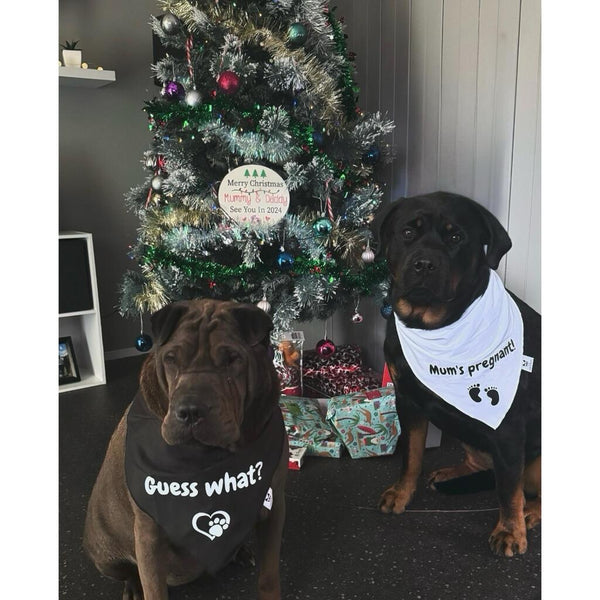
[429,315]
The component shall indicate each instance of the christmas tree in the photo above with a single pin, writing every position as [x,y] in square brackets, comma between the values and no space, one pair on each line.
[260,180]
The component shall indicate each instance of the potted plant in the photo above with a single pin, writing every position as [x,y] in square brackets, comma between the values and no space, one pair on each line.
[71,54]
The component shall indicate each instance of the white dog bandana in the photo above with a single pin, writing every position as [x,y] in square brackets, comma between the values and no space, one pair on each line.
[485,347]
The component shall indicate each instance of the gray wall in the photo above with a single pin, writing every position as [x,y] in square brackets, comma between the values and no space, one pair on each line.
[459,77]
[102,136]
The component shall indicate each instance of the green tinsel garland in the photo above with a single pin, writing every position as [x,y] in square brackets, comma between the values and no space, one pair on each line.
[357,281]
[190,118]
[349,87]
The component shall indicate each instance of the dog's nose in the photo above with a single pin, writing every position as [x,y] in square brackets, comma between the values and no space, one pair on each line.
[423,265]
[189,413]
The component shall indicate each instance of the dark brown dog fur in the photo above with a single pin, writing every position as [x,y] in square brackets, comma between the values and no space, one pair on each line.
[200,344]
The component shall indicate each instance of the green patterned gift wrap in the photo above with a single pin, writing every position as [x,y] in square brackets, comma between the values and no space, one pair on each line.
[307,428]
[366,421]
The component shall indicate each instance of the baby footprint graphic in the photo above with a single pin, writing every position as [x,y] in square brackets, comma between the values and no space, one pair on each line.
[493,395]
[474,392]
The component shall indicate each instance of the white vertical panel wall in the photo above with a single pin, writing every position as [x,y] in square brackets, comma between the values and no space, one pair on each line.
[461,79]
[473,117]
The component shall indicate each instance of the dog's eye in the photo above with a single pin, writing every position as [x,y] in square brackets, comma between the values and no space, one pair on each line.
[234,357]
[170,358]
[457,237]
[408,234]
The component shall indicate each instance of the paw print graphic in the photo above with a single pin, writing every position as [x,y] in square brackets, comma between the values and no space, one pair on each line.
[215,523]
[217,526]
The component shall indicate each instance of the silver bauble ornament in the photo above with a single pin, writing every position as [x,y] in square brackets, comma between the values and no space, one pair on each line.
[170,23]
[193,98]
[156,183]
[151,162]
[357,318]
[368,255]
[264,305]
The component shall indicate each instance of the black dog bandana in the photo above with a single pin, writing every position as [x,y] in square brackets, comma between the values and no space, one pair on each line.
[207,500]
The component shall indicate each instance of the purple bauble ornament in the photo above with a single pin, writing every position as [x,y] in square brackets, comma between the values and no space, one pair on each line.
[228,82]
[173,90]
[325,348]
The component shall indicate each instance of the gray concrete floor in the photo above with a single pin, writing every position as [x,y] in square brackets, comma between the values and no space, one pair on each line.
[336,546]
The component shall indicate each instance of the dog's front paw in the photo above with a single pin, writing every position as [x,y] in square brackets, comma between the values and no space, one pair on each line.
[533,512]
[395,499]
[133,590]
[504,542]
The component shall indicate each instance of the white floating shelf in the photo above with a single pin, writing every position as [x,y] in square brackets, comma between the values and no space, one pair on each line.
[89,78]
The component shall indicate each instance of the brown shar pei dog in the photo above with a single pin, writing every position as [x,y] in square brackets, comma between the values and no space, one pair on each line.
[199,458]
[464,354]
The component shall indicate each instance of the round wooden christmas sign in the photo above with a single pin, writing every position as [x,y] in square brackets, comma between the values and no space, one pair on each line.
[254,195]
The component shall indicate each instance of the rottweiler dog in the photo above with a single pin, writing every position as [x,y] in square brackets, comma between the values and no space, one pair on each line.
[198,459]
[442,250]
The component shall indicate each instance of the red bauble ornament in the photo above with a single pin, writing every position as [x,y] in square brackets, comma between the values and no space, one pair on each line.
[325,348]
[228,82]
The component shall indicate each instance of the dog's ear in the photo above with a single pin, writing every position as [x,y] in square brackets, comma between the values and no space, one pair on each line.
[383,225]
[155,397]
[495,237]
[165,320]
[253,323]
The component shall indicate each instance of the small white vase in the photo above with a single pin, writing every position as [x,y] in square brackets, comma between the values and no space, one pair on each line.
[72,58]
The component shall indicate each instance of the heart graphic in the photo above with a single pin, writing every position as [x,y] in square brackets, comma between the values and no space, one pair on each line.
[218,523]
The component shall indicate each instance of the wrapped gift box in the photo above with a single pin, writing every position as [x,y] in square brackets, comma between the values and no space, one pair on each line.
[366,421]
[296,458]
[306,427]
[434,435]
[341,373]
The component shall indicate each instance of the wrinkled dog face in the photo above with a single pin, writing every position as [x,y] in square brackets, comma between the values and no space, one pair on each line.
[208,360]
[434,246]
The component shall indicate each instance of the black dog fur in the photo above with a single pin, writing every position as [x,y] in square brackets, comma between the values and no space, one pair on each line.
[440,248]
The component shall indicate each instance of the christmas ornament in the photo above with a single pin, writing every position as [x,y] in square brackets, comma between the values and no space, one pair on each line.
[322,226]
[386,310]
[151,162]
[318,139]
[143,342]
[193,98]
[285,261]
[264,305]
[372,155]
[228,82]
[170,23]
[297,34]
[368,255]
[357,318]
[254,186]
[325,348]
[156,183]
[173,90]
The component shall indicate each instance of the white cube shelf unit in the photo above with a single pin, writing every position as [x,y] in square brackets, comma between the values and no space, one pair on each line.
[79,309]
